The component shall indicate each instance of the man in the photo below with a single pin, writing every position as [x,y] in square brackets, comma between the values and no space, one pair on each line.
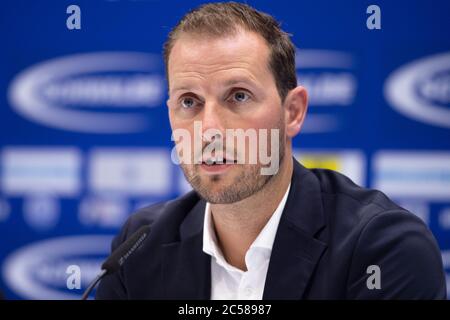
[241,234]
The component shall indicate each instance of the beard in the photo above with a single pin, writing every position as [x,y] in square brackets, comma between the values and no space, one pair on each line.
[247,178]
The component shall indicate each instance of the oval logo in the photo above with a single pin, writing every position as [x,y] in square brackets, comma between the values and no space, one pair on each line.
[103,92]
[420,90]
[331,80]
[38,271]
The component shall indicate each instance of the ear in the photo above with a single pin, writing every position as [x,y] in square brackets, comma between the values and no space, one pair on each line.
[295,107]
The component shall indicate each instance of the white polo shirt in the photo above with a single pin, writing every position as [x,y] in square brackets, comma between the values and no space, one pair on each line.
[229,282]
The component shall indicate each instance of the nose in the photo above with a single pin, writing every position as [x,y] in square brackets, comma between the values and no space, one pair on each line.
[213,120]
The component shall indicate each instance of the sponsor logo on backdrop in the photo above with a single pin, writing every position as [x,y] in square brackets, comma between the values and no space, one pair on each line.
[416,175]
[44,170]
[41,212]
[351,163]
[38,270]
[130,171]
[103,211]
[420,90]
[329,76]
[100,92]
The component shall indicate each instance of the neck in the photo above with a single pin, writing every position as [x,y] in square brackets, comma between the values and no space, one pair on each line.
[238,224]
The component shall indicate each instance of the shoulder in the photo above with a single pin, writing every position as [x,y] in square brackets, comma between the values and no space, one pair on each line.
[361,211]
[334,184]
[374,231]
[345,201]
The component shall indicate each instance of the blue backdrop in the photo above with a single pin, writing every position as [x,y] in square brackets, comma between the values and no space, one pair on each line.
[85,138]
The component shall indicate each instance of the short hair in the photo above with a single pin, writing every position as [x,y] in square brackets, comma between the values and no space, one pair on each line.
[225,18]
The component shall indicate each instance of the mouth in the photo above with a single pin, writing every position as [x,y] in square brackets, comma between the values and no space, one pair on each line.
[218,161]
[217,166]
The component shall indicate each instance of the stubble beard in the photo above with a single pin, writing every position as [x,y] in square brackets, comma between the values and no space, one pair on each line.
[244,185]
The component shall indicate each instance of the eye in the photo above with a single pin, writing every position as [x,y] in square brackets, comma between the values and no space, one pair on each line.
[240,96]
[187,102]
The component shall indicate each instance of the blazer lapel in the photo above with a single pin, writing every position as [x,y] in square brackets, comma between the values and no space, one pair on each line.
[186,268]
[296,251]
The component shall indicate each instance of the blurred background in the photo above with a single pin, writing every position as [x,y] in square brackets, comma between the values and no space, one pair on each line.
[85,139]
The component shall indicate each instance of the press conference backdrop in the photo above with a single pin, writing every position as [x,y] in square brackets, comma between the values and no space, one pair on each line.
[85,139]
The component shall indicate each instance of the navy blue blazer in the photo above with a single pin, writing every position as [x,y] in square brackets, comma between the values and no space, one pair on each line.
[330,232]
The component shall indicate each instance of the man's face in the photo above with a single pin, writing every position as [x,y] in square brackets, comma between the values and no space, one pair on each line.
[225,83]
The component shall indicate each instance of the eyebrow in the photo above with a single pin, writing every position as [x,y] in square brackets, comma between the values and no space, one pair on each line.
[174,89]
[180,88]
[228,83]
[235,81]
